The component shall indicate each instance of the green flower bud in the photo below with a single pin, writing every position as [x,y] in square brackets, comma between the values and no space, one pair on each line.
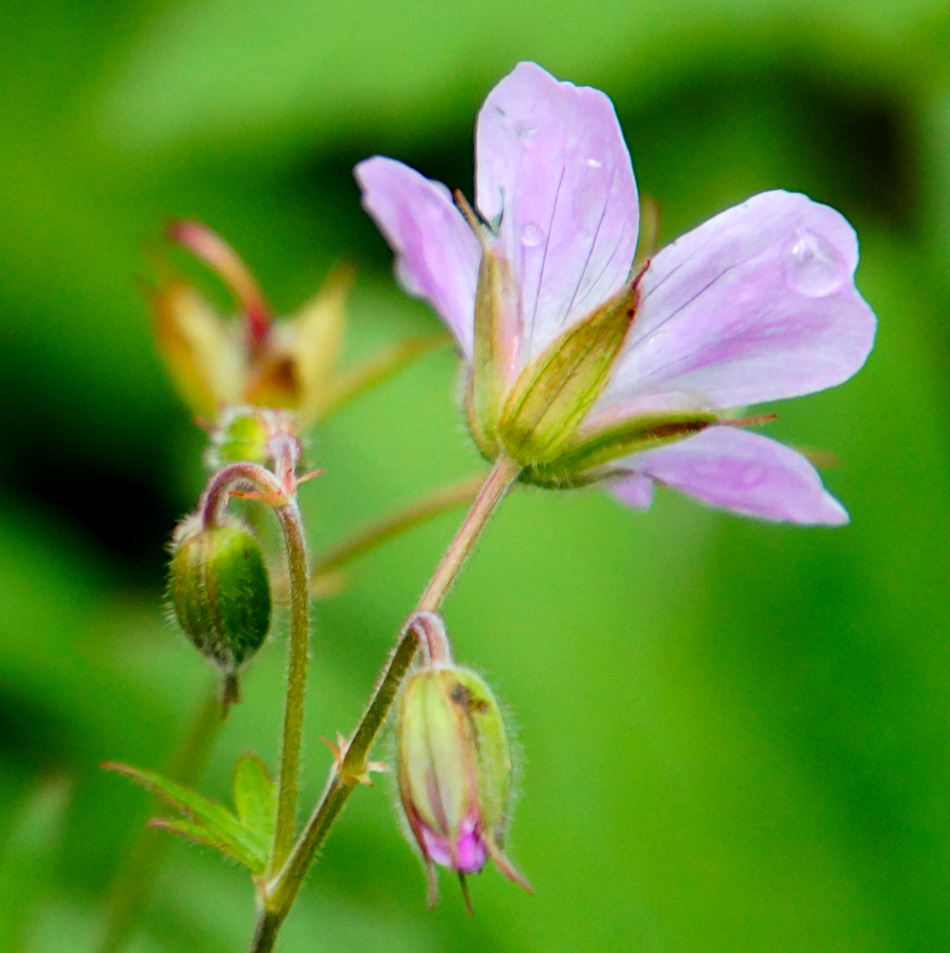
[219,591]
[243,434]
[454,771]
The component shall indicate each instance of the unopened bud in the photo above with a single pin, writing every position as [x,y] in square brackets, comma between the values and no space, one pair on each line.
[454,772]
[219,591]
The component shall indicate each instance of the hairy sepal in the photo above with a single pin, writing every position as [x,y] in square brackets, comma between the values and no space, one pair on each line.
[556,390]
[588,457]
[494,344]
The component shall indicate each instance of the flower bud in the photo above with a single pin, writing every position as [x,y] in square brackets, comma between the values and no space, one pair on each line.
[454,772]
[219,591]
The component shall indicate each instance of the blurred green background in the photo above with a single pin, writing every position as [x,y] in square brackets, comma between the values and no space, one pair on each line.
[736,736]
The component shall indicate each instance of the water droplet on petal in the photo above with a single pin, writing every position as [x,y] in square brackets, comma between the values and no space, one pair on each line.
[813,266]
[531,235]
[524,130]
[594,163]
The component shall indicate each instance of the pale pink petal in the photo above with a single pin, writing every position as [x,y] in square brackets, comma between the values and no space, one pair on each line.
[554,175]
[634,490]
[437,254]
[756,304]
[740,471]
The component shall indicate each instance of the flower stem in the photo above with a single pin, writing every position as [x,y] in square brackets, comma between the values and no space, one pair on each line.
[292,528]
[278,493]
[389,527]
[493,491]
[350,769]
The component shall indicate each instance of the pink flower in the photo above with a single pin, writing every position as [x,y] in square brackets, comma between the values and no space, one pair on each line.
[757,304]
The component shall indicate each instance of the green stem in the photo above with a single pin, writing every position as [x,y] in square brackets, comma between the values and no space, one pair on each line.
[136,881]
[351,769]
[376,534]
[299,573]
[278,493]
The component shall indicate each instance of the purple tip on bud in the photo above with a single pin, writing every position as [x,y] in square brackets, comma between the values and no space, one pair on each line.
[454,772]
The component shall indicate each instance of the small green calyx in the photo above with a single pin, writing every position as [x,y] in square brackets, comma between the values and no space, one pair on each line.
[557,389]
[220,592]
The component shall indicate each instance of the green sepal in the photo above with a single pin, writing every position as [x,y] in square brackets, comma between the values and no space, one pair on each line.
[557,389]
[492,346]
[207,821]
[588,457]
[255,797]
[492,752]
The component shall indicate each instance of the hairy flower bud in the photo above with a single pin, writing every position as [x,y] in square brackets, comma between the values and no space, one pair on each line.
[219,591]
[454,772]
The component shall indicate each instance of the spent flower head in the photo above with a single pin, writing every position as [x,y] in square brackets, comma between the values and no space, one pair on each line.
[220,364]
[582,368]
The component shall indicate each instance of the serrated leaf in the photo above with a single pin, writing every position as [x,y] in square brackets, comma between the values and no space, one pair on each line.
[255,797]
[221,828]
[202,834]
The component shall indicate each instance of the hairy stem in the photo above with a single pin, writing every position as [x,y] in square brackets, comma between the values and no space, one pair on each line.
[278,493]
[351,767]
[292,528]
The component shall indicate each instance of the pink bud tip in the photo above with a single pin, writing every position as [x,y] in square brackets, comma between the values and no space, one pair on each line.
[470,853]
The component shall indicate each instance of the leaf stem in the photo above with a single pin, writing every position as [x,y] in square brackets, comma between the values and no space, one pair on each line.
[350,769]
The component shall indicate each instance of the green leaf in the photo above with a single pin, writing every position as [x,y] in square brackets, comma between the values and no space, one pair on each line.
[213,824]
[202,834]
[25,858]
[255,797]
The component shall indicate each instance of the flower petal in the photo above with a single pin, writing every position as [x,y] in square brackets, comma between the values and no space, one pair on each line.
[739,471]
[554,176]
[437,254]
[634,490]
[756,304]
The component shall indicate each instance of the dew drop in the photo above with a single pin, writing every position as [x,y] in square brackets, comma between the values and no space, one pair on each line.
[524,130]
[594,163]
[813,266]
[531,235]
